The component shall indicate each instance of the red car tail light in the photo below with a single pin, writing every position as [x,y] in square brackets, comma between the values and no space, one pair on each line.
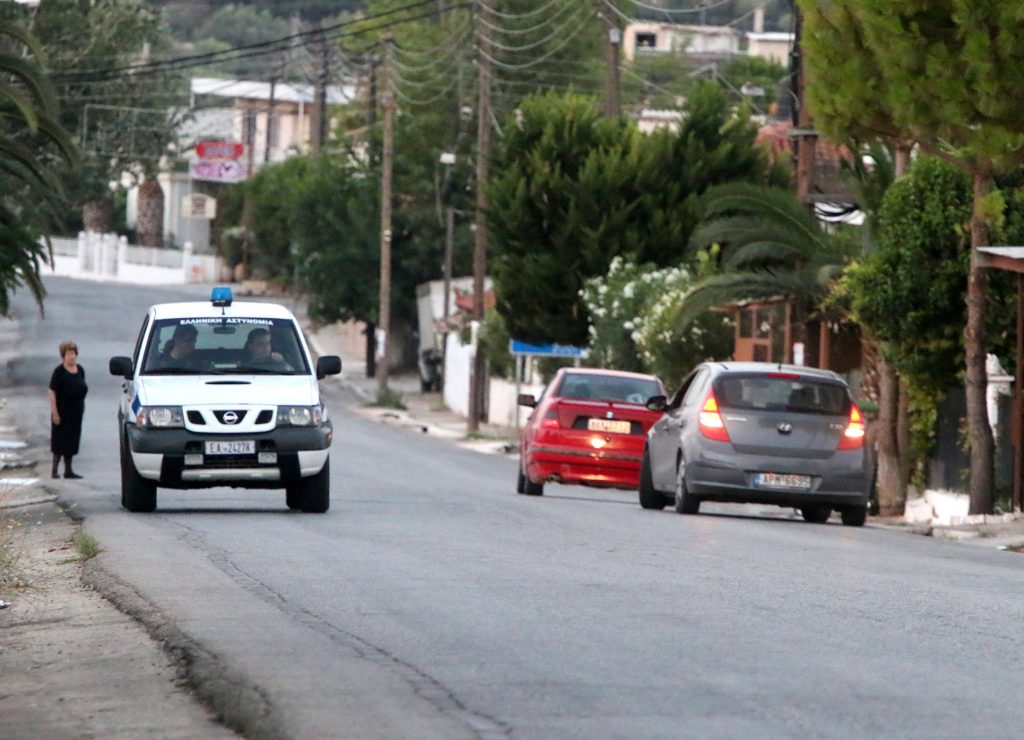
[710,422]
[550,420]
[853,435]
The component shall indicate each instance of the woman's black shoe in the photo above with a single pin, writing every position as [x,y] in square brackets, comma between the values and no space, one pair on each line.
[72,475]
[56,475]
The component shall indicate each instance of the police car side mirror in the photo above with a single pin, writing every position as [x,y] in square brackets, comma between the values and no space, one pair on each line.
[121,366]
[328,365]
[656,403]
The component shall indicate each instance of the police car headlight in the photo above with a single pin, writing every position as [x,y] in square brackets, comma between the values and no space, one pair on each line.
[300,416]
[163,417]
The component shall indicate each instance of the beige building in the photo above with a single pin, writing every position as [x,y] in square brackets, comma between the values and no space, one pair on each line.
[238,110]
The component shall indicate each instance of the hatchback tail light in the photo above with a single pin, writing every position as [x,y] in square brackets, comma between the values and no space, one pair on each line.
[550,420]
[853,435]
[710,423]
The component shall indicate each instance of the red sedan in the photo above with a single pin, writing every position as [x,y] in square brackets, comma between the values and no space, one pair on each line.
[588,428]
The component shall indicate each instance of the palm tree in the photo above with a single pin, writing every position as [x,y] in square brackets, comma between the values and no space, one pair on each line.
[772,246]
[29,133]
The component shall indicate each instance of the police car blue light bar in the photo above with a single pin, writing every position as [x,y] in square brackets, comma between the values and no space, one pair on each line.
[221,295]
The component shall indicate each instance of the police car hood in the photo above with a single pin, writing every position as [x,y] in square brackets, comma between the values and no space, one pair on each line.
[243,390]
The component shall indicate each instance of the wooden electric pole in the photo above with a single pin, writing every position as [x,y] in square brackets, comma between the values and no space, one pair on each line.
[318,135]
[612,85]
[478,381]
[387,163]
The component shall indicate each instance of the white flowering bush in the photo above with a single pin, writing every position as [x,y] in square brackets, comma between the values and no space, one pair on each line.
[634,321]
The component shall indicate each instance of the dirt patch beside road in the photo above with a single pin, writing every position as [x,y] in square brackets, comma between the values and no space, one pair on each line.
[71,664]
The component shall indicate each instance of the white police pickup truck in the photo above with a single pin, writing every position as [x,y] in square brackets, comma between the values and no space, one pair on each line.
[223,394]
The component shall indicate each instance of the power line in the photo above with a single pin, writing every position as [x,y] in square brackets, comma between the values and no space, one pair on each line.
[258,49]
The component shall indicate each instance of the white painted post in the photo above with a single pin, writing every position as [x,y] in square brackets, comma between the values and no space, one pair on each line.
[122,254]
[83,247]
[186,262]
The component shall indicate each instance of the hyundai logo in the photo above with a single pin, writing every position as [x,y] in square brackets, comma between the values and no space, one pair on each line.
[230,417]
[609,414]
[785,428]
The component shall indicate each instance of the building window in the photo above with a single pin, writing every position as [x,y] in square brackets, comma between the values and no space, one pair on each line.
[646,40]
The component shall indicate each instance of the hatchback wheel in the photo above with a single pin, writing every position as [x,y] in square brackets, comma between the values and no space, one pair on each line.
[649,497]
[854,516]
[521,482]
[815,513]
[686,502]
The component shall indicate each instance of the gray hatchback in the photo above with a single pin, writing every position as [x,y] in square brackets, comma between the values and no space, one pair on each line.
[756,432]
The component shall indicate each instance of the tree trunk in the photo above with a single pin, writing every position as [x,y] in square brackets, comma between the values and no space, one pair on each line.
[903,435]
[979,431]
[149,214]
[891,494]
[97,216]
[892,436]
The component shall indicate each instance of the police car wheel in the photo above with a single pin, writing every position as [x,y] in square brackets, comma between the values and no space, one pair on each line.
[137,493]
[313,494]
[293,496]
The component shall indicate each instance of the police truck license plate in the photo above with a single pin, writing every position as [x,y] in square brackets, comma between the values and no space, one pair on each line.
[234,447]
[781,480]
[608,425]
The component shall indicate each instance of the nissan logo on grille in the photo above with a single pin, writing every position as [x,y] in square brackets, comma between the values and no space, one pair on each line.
[228,417]
[785,428]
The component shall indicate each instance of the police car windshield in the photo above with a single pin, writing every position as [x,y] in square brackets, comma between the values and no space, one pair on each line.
[224,346]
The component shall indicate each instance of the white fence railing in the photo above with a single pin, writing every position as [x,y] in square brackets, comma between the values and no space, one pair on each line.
[110,257]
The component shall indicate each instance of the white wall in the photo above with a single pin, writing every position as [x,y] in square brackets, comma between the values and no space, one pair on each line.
[458,365]
[109,257]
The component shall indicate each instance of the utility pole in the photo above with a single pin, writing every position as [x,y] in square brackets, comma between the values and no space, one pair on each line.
[804,135]
[478,384]
[371,122]
[387,163]
[449,249]
[270,120]
[318,135]
[612,44]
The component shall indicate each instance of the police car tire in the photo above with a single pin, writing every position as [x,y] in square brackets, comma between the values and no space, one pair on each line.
[293,496]
[314,493]
[137,493]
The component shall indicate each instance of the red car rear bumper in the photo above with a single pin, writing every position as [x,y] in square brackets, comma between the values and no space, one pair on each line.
[613,469]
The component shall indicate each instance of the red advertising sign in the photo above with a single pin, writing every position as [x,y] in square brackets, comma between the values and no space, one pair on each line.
[219,149]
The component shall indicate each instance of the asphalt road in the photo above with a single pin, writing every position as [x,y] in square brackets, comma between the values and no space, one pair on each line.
[432,601]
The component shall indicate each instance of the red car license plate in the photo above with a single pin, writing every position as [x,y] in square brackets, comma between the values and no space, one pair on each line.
[608,425]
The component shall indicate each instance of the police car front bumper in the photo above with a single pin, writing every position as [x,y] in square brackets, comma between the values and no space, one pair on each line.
[175,458]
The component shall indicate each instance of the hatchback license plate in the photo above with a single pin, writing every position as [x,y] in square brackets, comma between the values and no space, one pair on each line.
[782,480]
[234,447]
[608,425]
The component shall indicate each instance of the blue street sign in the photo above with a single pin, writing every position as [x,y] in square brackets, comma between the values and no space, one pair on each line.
[518,347]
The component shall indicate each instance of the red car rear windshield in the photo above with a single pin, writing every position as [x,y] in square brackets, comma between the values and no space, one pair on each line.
[780,393]
[608,388]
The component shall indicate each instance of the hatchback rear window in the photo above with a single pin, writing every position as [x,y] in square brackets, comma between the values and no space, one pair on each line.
[608,387]
[782,393]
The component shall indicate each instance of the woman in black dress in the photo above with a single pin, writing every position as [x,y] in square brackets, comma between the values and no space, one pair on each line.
[67,405]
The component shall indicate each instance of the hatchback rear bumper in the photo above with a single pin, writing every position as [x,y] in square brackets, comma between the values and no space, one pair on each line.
[610,470]
[830,485]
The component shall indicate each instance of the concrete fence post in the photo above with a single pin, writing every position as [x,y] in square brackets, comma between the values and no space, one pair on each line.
[186,262]
[83,248]
[122,254]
